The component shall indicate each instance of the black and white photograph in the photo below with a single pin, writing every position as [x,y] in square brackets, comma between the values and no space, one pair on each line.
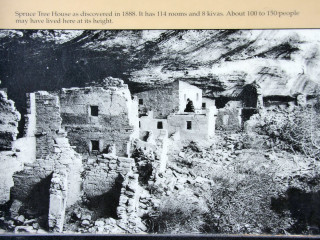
[160,132]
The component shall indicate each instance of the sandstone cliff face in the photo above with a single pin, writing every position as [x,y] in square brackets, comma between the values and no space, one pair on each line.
[283,62]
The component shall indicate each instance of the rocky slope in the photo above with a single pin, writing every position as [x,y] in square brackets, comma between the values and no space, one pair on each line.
[241,184]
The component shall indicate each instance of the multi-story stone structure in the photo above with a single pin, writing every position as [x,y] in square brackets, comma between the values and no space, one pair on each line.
[162,111]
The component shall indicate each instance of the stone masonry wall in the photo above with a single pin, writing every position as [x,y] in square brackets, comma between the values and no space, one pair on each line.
[102,171]
[155,151]
[162,101]
[199,126]
[103,178]
[129,205]
[102,114]
[48,122]
[148,123]
[32,184]
[9,118]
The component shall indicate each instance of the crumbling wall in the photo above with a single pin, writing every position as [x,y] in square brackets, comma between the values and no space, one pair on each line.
[153,152]
[67,159]
[54,154]
[21,150]
[66,183]
[58,200]
[103,177]
[101,172]
[31,186]
[229,117]
[129,205]
[162,101]
[99,114]
[9,118]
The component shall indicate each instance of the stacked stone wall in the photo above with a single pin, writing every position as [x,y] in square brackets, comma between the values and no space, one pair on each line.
[129,205]
[101,173]
[54,154]
[48,122]
[31,185]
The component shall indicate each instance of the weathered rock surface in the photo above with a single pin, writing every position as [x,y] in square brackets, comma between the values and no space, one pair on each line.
[9,118]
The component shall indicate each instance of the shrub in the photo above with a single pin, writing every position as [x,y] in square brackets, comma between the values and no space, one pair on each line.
[176,215]
[299,128]
[244,206]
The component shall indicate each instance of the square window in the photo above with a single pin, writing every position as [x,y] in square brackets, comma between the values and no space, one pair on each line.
[94,111]
[140,101]
[189,125]
[204,105]
[95,145]
[159,125]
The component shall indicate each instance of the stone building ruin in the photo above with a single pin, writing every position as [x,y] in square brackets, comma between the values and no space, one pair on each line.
[80,144]
[80,141]
[236,106]
[161,112]
[100,118]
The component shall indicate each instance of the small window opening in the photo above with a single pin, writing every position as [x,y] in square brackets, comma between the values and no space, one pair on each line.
[159,125]
[204,105]
[94,111]
[197,96]
[140,101]
[95,145]
[189,125]
[139,124]
[185,97]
